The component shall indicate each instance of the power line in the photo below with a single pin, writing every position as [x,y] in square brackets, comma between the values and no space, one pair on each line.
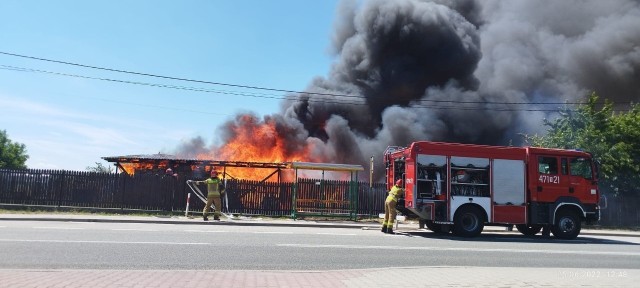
[21,69]
[275,89]
[175,78]
[14,68]
[293,98]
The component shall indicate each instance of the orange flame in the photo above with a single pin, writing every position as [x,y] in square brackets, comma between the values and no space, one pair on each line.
[253,140]
[259,141]
[132,168]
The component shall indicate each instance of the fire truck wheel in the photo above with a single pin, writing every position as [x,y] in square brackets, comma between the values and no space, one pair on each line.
[468,221]
[529,230]
[567,225]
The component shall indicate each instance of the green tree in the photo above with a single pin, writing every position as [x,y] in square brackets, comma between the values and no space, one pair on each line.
[12,155]
[623,152]
[613,139]
[99,168]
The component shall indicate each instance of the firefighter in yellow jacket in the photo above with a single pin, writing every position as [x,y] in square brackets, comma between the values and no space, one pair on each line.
[215,188]
[396,192]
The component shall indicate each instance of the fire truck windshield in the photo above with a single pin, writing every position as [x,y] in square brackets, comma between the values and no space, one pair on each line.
[581,167]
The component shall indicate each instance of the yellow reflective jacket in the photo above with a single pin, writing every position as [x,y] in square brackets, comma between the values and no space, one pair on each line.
[214,186]
[395,193]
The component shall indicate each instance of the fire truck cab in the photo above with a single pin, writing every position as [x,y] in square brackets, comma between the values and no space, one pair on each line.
[462,187]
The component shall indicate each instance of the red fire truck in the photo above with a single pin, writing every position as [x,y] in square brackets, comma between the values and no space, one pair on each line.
[462,187]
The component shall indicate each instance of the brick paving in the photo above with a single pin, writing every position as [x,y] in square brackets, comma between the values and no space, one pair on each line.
[359,278]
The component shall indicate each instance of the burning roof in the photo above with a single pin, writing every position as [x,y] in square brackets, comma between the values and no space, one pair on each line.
[158,162]
[159,158]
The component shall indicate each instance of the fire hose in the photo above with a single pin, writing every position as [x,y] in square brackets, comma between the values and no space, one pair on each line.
[203,198]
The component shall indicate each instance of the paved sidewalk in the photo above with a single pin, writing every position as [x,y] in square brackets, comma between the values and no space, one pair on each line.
[360,278]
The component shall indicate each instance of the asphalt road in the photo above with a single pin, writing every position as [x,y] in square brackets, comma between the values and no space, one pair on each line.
[91,245]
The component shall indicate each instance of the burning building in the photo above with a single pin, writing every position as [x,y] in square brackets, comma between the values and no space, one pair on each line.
[197,168]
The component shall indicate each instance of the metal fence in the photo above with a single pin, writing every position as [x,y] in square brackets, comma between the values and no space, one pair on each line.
[621,211]
[150,192]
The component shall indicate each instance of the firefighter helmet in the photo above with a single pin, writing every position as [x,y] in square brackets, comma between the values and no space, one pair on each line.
[462,176]
[399,183]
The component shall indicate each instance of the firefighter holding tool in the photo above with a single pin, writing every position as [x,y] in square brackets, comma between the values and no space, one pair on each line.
[214,190]
[390,206]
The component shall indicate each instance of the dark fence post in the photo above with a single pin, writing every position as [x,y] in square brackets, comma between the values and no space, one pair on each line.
[123,187]
[62,188]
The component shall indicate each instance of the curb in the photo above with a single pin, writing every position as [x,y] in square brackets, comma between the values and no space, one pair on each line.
[157,221]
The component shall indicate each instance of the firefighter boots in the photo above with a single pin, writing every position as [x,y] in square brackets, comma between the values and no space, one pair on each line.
[384,229]
[205,218]
[390,230]
[216,218]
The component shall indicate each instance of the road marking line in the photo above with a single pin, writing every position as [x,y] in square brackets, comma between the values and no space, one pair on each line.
[61,228]
[206,231]
[336,234]
[269,232]
[464,249]
[102,242]
[142,230]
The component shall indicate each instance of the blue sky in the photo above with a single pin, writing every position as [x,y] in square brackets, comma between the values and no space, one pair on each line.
[71,122]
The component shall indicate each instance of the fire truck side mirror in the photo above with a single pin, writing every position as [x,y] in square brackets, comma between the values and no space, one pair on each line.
[603,202]
[597,170]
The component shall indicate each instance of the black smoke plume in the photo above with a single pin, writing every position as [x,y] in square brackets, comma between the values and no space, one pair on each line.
[409,70]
